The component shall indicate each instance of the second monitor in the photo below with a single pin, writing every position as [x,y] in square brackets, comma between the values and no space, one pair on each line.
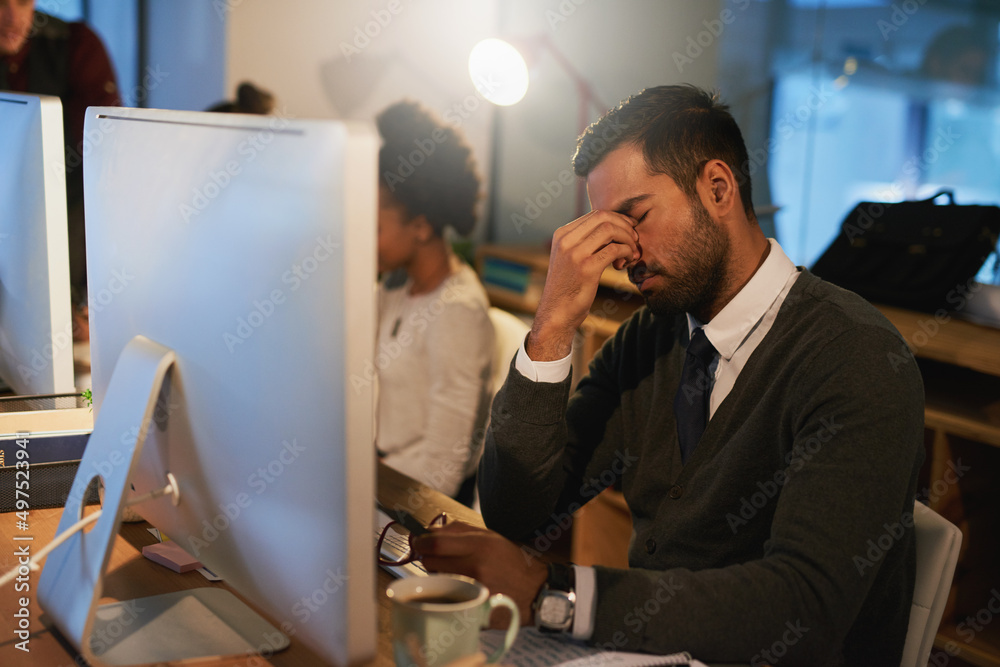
[36,333]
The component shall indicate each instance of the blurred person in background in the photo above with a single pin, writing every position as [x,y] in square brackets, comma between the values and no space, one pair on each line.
[435,339]
[44,55]
[249,99]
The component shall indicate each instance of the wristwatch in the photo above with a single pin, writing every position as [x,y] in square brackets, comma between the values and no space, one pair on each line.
[556,601]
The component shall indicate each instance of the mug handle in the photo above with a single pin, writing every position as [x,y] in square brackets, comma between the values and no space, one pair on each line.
[499,600]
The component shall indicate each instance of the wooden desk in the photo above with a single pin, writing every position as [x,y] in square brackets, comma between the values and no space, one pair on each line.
[132,576]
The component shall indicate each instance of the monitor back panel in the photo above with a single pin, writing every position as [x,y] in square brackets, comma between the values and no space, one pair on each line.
[247,245]
[36,334]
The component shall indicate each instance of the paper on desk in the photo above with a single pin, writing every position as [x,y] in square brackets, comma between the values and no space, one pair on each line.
[534,649]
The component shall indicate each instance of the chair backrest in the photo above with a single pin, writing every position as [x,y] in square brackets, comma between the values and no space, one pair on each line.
[509,331]
[938,542]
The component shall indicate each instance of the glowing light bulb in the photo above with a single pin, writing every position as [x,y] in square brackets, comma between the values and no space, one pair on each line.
[498,72]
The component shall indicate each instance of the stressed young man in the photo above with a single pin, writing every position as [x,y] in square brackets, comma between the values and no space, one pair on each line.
[766,427]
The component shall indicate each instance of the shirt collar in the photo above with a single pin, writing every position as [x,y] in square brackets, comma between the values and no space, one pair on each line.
[737,319]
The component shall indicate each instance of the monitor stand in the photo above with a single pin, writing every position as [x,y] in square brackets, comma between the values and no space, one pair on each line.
[199,623]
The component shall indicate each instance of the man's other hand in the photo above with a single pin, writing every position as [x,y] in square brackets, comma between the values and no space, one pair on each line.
[488,557]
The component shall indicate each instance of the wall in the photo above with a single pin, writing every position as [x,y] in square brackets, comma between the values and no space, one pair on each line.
[185,58]
[621,47]
[316,56]
[350,59]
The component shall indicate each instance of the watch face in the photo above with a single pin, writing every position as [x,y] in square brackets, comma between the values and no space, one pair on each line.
[556,609]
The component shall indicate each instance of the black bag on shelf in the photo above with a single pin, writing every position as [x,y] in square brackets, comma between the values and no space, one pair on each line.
[912,254]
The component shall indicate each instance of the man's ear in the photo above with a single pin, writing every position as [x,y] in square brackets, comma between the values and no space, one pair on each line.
[718,188]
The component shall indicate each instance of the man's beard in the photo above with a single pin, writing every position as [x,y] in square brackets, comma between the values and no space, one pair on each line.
[699,276]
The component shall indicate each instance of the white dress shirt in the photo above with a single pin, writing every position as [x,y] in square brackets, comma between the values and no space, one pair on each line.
[735,333]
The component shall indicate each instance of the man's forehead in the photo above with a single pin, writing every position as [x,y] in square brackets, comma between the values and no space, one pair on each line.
[623,178]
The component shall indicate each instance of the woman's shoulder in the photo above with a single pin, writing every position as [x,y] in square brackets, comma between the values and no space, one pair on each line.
[463,288]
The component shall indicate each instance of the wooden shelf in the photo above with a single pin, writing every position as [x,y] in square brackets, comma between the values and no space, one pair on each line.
[953,341]
[961,401]
[959,420]
[983,650]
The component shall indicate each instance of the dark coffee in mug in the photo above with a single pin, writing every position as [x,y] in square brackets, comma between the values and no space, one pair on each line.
[447,598]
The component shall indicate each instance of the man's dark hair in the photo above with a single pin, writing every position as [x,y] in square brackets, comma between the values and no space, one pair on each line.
[679,129]
[428,167]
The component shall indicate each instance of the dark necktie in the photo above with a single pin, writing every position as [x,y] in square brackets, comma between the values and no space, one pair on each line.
[691,401]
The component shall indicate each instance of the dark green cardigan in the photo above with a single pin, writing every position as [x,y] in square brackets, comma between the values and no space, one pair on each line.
[786,538]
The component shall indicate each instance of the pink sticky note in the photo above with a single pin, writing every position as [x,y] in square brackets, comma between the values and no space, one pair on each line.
[169,554]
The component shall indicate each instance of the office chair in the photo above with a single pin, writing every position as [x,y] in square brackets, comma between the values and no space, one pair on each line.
[938,541]
[509,332]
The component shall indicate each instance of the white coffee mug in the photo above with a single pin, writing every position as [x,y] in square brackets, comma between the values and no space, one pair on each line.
[436,619]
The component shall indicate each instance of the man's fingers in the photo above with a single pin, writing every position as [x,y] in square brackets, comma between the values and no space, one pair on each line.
[583,228]
[615,254]
[453,540]
[587,244]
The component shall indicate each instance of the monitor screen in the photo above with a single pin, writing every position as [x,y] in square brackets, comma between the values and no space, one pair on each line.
[246,245]
[36,331]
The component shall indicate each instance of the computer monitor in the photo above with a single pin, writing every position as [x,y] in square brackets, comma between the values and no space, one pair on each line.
[36,330]
[246,246]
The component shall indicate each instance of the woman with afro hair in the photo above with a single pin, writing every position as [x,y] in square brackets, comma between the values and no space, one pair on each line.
[435,339]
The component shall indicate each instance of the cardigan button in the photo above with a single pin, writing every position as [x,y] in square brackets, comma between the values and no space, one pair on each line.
[676,491]
[650,546]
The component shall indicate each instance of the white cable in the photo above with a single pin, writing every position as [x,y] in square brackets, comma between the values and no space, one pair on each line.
[32,563]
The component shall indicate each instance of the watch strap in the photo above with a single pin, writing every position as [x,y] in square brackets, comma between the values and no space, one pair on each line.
[562,577]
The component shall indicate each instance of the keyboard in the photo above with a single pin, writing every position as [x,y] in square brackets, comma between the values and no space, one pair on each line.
[394,546]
